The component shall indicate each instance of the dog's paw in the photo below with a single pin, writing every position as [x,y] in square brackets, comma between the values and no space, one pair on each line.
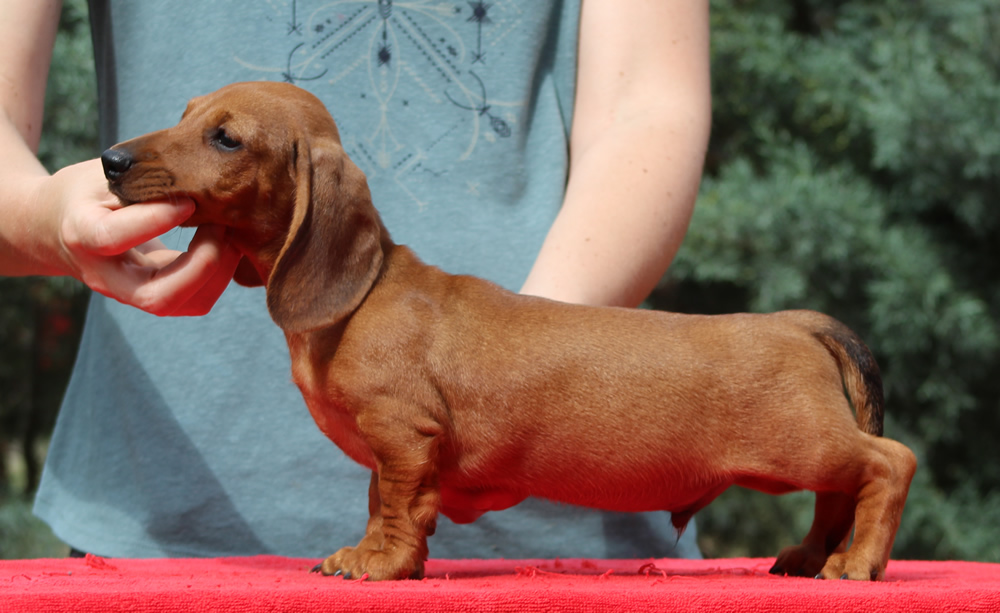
[856,568]
[362,563]
[799,561]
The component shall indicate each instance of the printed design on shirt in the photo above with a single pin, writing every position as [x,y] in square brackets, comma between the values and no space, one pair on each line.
[406,60]
[480,15]
[294,26]
[499,125]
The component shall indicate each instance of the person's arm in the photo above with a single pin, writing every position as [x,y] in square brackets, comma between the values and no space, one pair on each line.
[27,34]
[68,223]
[640,131]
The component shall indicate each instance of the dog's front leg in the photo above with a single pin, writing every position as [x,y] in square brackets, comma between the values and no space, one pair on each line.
[403,503]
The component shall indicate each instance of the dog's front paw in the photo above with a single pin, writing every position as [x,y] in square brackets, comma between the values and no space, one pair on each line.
[854,567]
[799,561]
[363,563]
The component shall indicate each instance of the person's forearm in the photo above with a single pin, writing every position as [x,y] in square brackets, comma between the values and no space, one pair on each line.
[627,207]
[27,33]
[25,247]
[641,120]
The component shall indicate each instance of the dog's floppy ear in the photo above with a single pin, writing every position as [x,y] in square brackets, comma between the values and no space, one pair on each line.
[333,250]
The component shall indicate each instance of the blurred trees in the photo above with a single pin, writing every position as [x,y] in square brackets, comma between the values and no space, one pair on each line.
[855,169]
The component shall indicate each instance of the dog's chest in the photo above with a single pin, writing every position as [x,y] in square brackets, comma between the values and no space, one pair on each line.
[331,414]
[340,427]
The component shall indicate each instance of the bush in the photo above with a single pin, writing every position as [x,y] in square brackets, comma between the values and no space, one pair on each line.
[853,170]
[22,535]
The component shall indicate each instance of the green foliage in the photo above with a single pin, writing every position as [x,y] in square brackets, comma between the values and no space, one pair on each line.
[853,169]
[70,124]
[40,322]
[23,535]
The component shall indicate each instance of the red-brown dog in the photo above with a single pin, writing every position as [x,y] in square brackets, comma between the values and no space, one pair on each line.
[463,398]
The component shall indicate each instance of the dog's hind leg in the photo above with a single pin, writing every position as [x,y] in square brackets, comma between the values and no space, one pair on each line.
[883,487]
[871,492]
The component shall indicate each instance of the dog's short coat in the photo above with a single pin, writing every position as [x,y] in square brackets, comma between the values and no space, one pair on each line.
[463,398]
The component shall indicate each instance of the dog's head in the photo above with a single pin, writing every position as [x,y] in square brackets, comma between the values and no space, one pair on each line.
[265,160]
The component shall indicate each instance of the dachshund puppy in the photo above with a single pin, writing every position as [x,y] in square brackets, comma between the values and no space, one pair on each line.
[464,398]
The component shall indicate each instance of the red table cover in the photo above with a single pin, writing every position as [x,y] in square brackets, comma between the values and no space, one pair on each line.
[270,583]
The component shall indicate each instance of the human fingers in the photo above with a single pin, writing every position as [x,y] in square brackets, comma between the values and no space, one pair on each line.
[112,248]
[167,282]
[89,222]
[210,251]
[111,229]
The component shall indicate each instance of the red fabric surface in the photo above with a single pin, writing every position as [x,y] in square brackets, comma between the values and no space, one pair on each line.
[268,583]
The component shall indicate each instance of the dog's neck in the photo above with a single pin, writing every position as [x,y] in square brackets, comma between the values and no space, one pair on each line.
[257,263]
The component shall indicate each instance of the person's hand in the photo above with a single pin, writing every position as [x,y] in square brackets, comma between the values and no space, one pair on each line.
[113,248]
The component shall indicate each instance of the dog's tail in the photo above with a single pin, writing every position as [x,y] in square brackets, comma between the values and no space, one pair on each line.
[861,376]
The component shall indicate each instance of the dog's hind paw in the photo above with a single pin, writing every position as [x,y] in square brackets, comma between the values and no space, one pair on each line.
[855,568]
[799,561]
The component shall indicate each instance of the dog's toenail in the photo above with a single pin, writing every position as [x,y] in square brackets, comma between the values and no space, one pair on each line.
[317,568]
[777,570]
[338,573]
[844,576]
[819,576]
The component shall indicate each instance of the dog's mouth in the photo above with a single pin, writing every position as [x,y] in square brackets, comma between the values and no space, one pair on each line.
[134,179]
[128,199]
[117,190]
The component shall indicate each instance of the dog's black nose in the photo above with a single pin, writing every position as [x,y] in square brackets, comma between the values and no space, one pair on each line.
[116,163]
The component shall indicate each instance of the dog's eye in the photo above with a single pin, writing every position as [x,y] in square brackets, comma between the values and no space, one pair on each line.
[224,142]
